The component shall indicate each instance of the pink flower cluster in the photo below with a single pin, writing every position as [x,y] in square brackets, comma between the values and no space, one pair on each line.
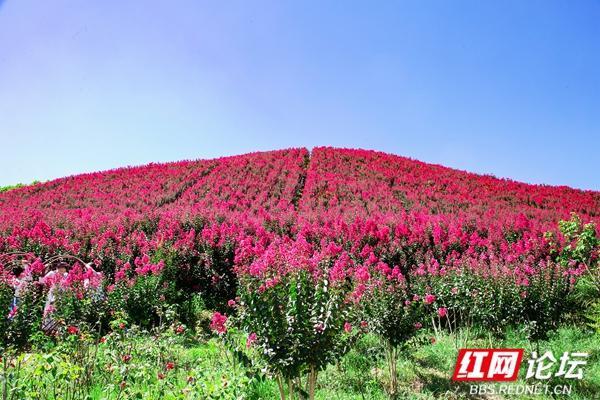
[217,323]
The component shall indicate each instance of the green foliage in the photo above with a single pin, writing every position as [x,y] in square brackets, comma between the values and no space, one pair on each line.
[206,269]
[581,253]
[393,314]
[85,307]
[130,363]
[6,296]
[126,364]
[17,186]
[299,323]
[582,247]
[27,320]
[497,302]
[145,302]
[472,299]
[545,302]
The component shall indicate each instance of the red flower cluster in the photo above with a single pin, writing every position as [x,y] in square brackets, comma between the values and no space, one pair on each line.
[217,323]
[72,330]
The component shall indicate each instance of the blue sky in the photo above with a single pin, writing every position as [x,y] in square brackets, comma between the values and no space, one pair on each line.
[510,88]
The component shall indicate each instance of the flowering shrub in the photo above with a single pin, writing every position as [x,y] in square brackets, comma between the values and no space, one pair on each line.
[396,315]
[296,311]
[581,252]
[198,265]
[579,257]
[23,303]
[143,300]
[6,303]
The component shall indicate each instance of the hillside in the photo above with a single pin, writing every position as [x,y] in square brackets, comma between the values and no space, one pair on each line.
[289,190]
[297,258]
[384,183]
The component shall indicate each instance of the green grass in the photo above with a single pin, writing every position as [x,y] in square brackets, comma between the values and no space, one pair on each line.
[17,186]
[424,369]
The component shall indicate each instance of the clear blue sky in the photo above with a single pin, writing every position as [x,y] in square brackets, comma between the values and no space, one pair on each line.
[510,88]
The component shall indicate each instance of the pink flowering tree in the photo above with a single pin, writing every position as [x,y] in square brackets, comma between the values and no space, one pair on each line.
[79,299]
[579,257]
[6,302]
[581,252]
[19,321]
[141,292]
[393,309]
[294,301]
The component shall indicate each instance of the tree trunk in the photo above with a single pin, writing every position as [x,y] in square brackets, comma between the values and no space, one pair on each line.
[392,354]
[281,390]
[312,382]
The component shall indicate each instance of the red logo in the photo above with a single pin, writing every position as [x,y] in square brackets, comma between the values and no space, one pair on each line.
[488,365]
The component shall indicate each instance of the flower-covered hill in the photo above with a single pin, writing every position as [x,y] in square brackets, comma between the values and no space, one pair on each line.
[377,232]
[280,193]
[300,246]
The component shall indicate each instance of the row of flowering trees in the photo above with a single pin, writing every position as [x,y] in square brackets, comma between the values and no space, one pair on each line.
[306,250]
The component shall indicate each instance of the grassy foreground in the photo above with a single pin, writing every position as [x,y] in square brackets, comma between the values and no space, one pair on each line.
[134,365]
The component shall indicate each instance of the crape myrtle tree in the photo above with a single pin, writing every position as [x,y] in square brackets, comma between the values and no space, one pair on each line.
[578,256]
[294,303]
